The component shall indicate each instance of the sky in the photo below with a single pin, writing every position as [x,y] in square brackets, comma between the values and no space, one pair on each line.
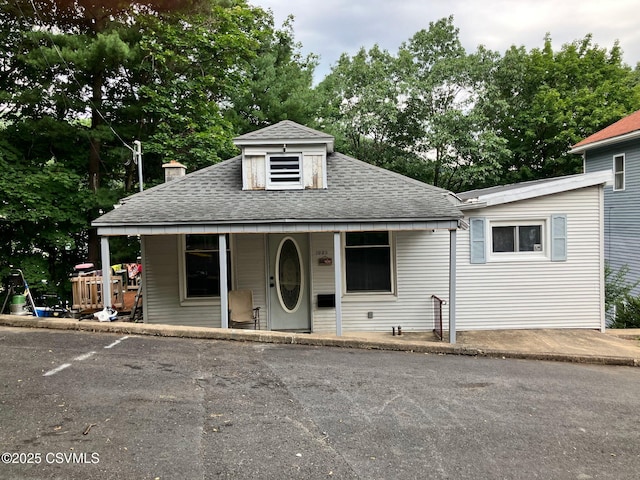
[329,28]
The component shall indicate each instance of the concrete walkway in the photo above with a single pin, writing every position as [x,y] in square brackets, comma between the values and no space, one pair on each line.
[615,347]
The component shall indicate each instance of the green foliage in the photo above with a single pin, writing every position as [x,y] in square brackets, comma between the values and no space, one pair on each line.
[361,107]
[276,84]
[618,298]
[42,214]
[627,314]
[82,79]
[415,112]
[543,101]
[617,287]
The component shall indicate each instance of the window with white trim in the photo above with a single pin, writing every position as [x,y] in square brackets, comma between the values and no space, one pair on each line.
[368,262]
[493,240]
[202,266]
[516,238]
[618,172]
[284,171]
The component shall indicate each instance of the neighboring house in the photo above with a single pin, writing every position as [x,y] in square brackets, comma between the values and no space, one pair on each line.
[532,256]
[617,148]
[296,223]
[328,243]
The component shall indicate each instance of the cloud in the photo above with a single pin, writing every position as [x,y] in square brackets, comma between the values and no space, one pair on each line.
[331,27]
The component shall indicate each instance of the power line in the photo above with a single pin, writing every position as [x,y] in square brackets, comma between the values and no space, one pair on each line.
[137,149]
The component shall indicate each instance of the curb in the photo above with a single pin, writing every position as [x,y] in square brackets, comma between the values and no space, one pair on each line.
[209,333]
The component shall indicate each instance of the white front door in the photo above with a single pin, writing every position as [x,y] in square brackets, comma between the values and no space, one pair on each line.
[289,282]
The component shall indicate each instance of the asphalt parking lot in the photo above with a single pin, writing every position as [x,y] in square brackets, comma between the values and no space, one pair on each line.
[79,405]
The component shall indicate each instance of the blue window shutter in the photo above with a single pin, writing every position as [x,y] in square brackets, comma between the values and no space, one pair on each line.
[558,238]
[477,238]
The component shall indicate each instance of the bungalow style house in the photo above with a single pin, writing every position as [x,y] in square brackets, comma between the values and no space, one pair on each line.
[327,243]
[617,148]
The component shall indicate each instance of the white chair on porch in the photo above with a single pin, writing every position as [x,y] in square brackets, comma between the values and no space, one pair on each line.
[241,309]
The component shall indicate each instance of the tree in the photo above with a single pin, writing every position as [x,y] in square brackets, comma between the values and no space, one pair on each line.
[362,101]
[444,125]
[276,85]
[542,102]
[415,112]
[81,80]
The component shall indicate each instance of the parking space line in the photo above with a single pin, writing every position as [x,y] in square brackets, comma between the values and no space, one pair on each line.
[57,369]
[80,358]
[116,342]
[84,356]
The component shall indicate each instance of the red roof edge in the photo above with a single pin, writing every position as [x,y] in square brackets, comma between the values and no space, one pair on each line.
[628,124]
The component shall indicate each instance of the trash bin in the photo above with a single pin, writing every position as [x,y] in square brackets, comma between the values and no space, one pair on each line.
[18,304]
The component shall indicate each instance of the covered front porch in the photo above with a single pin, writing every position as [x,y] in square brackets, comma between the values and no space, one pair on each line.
[332,279]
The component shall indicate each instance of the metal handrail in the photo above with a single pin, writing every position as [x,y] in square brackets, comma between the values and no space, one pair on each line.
[437,315]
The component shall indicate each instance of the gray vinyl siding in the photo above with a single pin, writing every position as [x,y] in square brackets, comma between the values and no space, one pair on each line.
[621,208]
[162,277]
[536,292]
[421,270]
[322,282]
[162,293]
[421,266]
[250,270]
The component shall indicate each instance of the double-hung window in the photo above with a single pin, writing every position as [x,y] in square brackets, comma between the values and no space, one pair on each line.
[618,172]
[368,262]
[202,266]
[284,171]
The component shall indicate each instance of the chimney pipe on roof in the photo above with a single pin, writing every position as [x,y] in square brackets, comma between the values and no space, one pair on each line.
[173,170]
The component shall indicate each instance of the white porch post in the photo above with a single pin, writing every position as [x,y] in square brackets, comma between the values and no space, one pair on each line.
[337,270]
[224,293]
[452,286]
[106,271]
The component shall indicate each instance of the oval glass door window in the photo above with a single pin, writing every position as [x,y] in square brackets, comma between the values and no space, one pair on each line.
[289,276]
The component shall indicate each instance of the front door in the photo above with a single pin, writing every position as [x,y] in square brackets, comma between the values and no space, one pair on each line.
[289,282]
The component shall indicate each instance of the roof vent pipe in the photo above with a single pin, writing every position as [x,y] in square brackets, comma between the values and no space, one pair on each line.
[173,170]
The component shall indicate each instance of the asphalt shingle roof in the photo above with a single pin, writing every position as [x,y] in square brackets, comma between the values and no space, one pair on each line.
[285,130]
[356,191]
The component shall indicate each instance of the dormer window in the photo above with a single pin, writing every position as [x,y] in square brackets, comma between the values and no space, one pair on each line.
[284,171]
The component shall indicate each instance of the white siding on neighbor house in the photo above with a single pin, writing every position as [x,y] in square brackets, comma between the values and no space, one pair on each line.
[249,270]
[422,270]
[537,293]
[161,287]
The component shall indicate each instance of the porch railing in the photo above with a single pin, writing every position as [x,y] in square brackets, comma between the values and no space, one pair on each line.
[437,316]
[87,293]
